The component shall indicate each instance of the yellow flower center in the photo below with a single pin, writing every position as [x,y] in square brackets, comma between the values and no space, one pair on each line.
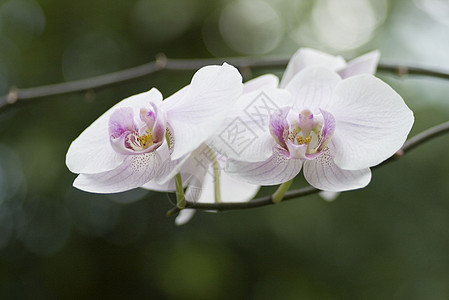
[302,141]
[145,140]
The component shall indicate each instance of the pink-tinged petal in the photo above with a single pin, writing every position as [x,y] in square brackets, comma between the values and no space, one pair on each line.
[328,128]
[124,134]
[123,144]
[306,57]
[279,126]
[296,151]
[244,135]
[201,108]
[264,81]
[365,64]
[91,152]
[372,122]
[275,170]
[312,88]
[156,121]
[325,175]
[135,171]
[121,121]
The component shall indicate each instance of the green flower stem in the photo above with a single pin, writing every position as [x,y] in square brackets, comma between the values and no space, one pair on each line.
[279,194]
[180,198]
[216,171]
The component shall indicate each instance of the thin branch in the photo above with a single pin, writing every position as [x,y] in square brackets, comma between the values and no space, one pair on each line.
[402,70]
[409,145]
[258,202]
[425,136]
[163,63]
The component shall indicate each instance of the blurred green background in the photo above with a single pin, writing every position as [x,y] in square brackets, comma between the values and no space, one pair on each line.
[387,241]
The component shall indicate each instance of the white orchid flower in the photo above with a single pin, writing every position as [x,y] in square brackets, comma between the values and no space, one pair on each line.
[306,57]
[202,170]
[126,147]
[334,128]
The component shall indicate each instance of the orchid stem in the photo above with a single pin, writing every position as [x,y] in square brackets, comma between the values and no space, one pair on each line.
[280,192]
[216,171]
[180,198]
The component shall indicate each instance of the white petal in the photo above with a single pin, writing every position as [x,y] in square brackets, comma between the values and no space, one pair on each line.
[200,108]
[164,180]
[275,170]
[325,175]
[184,216]
[169,169]
[372,122]
[153,185]
[365,64]
[91,152]
[232,190]
[312,88]
[195,188]
[329,196]
[203,190]
[193,164]
[245,134]
[267,80]
[135,171]
[306,57]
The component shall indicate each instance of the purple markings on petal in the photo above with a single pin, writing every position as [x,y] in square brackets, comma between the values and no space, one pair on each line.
[328,128]
[279,126]
[156,122]
[160,125]
[149,116]
[121,121]
[129,138]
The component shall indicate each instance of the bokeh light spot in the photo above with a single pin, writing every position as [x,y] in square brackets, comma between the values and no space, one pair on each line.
[344,24]
[159,21]
[90,55]
[92,214]
[44,226]
[251,26]
[21,20]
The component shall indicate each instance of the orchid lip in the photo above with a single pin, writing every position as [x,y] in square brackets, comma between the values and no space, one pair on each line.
[130,136]
[304,136]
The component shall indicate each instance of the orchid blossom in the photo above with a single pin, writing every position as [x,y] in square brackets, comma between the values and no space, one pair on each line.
[126,147]
[202,170]
[306,57]
[333,128]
